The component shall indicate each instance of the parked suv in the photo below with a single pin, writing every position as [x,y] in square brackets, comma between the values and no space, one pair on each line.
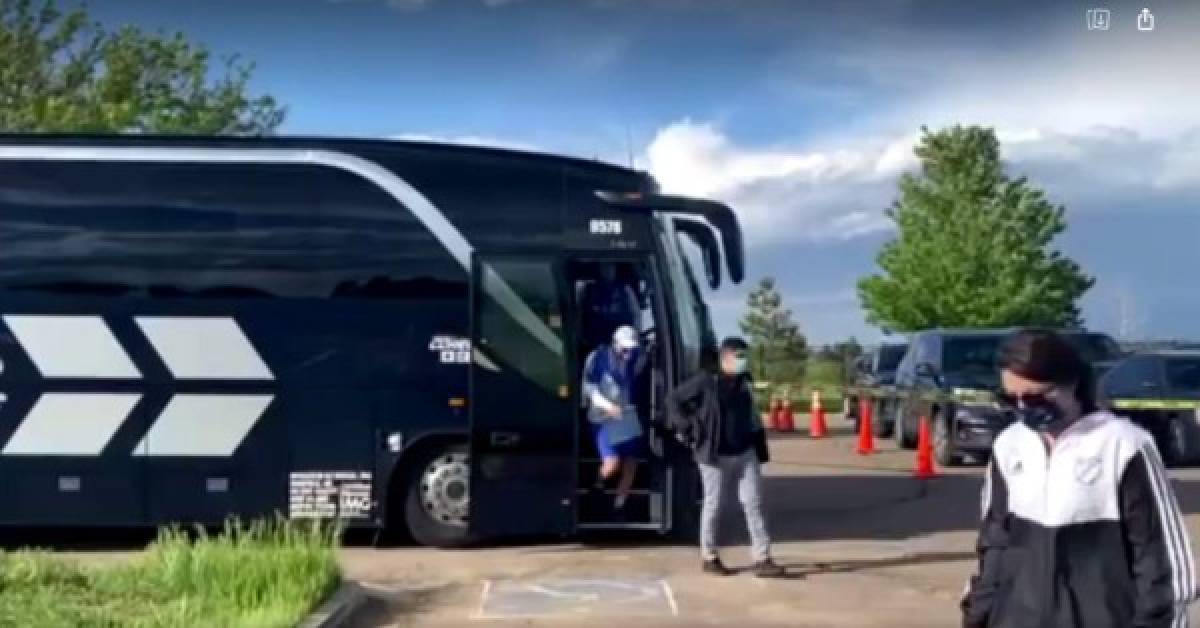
[1159,390]
[951,377]
[874,374]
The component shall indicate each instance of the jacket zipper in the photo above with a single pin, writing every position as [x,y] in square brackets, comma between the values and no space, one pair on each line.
[1050,573]
[1052,563]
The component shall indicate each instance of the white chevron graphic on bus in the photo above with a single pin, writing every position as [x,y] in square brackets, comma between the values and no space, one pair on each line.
[84,347]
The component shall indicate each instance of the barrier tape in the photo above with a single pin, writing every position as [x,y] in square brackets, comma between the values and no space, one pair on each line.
[1155,404]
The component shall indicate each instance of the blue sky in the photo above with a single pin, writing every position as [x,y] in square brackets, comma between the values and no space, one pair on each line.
[799,114]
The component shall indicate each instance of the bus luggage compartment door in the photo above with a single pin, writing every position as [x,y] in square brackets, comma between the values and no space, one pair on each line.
[72,410]
[522,423]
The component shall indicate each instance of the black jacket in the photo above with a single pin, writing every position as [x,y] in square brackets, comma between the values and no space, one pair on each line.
[1087,536]
[694,413]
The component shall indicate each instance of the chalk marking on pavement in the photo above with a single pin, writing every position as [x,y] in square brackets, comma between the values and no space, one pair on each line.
[565,601]
[586,597]
[670,597]
[483,598]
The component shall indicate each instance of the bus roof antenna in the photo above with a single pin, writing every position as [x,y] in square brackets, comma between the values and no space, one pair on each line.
[629,146]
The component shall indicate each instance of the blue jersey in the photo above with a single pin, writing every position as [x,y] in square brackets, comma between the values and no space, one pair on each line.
[615,382]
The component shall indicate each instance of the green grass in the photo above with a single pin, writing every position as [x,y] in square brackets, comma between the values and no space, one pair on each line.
[262,575]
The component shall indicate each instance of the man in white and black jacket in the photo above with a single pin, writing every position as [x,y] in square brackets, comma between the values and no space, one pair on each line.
[1081,527]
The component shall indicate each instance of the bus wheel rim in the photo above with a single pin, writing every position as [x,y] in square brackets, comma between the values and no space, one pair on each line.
[445,489]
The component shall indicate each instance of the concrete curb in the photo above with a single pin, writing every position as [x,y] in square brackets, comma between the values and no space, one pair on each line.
[337,611]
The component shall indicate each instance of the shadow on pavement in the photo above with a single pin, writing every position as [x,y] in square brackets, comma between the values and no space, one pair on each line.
[853,566]
[383,607]
[877,507]
[802,432]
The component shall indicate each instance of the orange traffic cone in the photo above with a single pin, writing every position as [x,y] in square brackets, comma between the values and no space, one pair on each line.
[924,468]
[865,414]
[816,425]
[866,435]
[775,415]
[787,419]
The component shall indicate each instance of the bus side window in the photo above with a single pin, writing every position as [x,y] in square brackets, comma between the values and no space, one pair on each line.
[213,231]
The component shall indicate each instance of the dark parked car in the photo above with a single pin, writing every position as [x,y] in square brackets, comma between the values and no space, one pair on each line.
[874,374]
[1161,392]
[950,376]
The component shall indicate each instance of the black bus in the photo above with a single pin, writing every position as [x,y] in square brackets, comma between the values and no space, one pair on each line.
[377,331]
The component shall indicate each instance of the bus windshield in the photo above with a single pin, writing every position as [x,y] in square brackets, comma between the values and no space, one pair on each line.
[703,319]
[695,327]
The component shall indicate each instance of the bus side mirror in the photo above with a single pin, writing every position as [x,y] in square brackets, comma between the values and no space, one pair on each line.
[701,235]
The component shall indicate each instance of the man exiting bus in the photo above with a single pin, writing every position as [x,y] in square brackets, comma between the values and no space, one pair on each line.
[610,377]
[714,413]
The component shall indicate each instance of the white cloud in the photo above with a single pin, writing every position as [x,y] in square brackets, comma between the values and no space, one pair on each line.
[780,194]
[1100,122]
[1053,75]
[1094,164]
[841,193]
[1105,123]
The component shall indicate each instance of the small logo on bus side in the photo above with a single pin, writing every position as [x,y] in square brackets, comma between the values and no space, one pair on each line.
[451,349]
[605,227]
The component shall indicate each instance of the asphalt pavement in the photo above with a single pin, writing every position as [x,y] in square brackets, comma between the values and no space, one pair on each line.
[866,543]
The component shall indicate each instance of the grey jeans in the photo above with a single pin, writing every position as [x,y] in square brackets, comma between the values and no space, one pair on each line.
[743,470]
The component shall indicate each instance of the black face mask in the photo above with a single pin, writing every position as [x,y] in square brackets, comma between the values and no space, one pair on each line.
[1039,414]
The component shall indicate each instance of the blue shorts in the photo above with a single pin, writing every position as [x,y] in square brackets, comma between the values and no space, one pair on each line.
[631,448]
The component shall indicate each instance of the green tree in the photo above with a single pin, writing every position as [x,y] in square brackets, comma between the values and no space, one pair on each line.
[973,246]
[62,72]
[843,353]
[824,373]
[778,350]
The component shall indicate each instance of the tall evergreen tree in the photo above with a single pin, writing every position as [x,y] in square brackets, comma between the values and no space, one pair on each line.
[778,351]
[973,246]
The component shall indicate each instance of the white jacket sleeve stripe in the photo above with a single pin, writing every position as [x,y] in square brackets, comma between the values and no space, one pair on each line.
[1179,549]
[986,496]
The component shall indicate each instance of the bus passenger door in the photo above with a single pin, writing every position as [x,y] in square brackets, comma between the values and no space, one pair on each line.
[523,426]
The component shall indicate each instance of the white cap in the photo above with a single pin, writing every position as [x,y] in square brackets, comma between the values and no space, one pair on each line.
[625,338]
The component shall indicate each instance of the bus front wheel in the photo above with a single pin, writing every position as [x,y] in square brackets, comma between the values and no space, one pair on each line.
[438,498]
